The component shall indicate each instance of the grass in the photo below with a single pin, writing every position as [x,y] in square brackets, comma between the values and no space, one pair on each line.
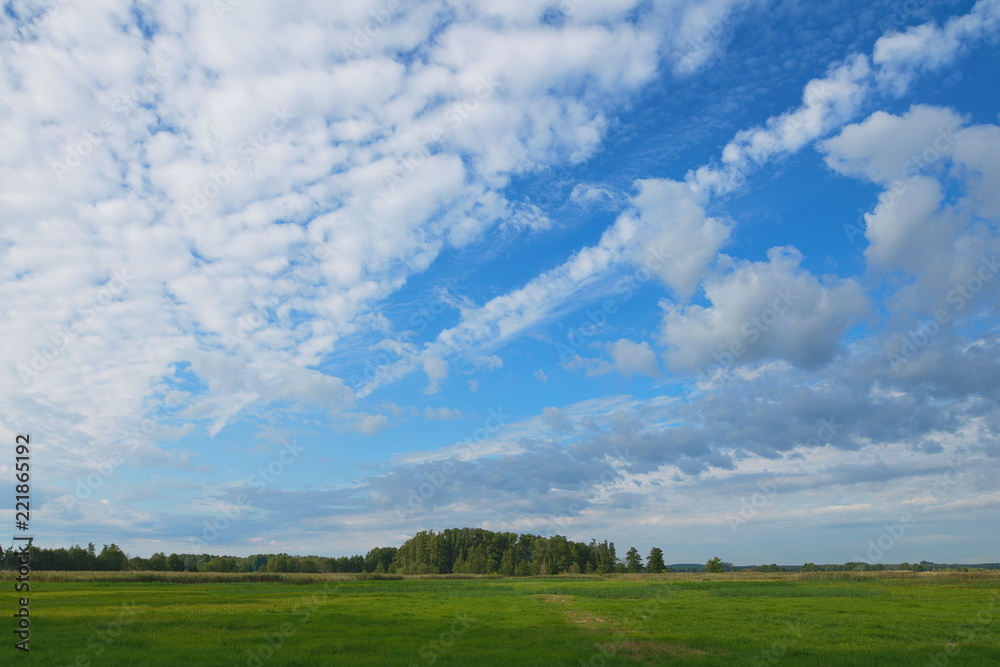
[682,619]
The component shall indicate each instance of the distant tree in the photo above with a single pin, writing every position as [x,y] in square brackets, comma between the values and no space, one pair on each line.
[175,563]
[810,567]
[137,564]
[157,562]
[221,564]
[715,565]
[112,558]
[654,563]
[633,561]
[82,559]
[281,563]
[311,564]
[256,562]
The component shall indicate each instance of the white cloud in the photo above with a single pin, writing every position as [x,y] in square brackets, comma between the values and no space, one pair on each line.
[702,30]
[627,357]
[977,154]
[436,369]
[901,56]
[885,147]
[588,195]
[488,362]
[371,424]
[918,226]
[827,103]
[442,413]
[631,358]
[674,234]
[762,310]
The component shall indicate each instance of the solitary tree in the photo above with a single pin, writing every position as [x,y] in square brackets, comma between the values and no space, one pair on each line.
[715,565]
[655,561]
[633,561]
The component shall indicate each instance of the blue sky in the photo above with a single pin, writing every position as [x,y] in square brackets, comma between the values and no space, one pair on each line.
[716,277]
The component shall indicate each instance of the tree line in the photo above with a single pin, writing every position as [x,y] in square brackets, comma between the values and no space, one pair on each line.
[452,551]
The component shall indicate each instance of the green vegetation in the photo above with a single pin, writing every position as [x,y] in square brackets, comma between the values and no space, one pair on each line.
[452,551]
[715,565]
[734,618]
[654,564]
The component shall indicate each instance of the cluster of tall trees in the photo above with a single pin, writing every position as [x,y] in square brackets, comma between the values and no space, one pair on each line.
[478,551]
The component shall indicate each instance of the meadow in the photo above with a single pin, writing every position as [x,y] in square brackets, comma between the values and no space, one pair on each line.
[158,618]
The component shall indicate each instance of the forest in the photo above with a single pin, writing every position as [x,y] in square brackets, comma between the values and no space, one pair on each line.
[452,551]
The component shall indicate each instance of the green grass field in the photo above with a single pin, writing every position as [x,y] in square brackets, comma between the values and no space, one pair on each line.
[694,619]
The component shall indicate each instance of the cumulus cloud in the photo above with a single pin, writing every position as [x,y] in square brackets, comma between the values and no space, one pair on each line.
[885,147]
[675,237]
[935,219]
[631,358]
[763,310]
[627,357]
[371,424]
